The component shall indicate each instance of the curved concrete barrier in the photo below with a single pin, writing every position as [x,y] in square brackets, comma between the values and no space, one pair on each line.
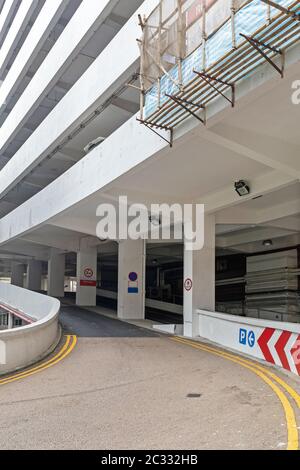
[20,347]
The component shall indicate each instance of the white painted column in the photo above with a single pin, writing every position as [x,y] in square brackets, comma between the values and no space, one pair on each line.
[86,275]
[10,322]
[17,275]
[34,275]
[131,279]
[56,274]
[199,278]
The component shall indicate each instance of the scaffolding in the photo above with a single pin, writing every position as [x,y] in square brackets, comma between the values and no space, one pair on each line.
[193,51]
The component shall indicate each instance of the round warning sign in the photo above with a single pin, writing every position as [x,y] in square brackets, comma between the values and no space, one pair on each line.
[188,284]
[88,273]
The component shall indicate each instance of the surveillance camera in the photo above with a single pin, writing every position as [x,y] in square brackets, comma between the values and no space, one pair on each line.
[242,188]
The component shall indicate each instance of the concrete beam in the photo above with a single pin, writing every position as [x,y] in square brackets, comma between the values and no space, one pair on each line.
[42,27]
[77,224]
[249,236]
[15,32]
[264,184]
[276,154]
[126,105]
[26,251]
[6,16]
[116,21]
[292,224]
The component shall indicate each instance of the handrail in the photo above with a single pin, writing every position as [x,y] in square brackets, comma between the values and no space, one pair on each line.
[17,313]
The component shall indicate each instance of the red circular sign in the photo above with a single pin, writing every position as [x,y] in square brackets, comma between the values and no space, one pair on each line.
[88,272]
[188,284]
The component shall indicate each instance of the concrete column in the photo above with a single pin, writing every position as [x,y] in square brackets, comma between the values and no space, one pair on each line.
[86,275]
[17,275]
[34,275]
[131,279]
[10,323]
[199,278]
[56,275]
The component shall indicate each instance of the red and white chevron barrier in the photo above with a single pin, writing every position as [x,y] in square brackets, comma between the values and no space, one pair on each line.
[276,342]
[281,348]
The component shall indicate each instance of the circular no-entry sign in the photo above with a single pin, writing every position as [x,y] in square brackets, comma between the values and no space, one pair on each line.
[188,284]
[88,272]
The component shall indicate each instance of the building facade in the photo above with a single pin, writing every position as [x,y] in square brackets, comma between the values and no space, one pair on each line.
[161,102]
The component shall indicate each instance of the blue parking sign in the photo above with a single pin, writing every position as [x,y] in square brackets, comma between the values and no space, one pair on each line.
[243,336]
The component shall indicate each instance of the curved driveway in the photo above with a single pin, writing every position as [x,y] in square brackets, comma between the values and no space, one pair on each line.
[123,387]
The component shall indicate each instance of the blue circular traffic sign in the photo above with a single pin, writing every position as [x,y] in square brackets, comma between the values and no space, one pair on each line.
[251,339]
[133,276]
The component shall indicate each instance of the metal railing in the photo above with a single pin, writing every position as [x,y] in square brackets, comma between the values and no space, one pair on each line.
[255,32]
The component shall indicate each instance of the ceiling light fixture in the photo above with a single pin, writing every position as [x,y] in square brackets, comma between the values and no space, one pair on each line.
[267,243]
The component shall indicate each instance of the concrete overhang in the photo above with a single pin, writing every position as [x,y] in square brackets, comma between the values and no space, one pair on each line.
[202,166]
[114,65]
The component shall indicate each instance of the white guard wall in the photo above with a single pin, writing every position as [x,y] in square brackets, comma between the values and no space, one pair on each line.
[46,20]
[78,31]
[128,146]
[16,30]
[275,342]
[117,63]
[22,346]
[6,16]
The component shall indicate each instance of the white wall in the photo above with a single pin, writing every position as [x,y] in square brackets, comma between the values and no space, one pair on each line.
[78,31]
[111,69]
[6,16]
[127,147]
[233,331]
[28,344]
[130,145]
[40,30]
[16,30]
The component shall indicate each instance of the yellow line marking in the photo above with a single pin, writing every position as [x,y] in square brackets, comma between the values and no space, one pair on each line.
[281,382]
[63,349]
[64,352]
[293,439]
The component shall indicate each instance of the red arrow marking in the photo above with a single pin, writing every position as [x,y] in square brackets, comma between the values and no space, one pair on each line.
[295,352]
[280,345]
[263,344]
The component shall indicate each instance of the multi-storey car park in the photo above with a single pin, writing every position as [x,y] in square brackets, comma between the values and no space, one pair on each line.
[162,102]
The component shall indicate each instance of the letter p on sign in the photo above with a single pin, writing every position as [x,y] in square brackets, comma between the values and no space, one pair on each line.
[243,336]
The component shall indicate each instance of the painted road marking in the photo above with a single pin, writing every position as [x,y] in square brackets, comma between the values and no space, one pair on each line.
[281,382]
[67,348]
[293,438]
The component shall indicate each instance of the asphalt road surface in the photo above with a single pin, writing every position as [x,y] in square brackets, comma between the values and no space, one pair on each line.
[123,387]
